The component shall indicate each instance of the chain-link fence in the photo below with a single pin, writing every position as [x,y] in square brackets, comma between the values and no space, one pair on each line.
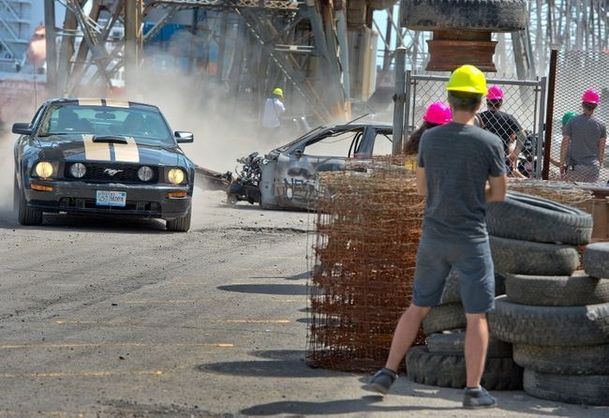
[577,71]
[524,100]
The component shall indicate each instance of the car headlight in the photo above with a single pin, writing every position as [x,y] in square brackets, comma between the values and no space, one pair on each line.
[44,169]
[78,170]
[145,173]
[175,175]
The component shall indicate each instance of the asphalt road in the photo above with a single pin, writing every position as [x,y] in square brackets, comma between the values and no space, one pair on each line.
[104,317]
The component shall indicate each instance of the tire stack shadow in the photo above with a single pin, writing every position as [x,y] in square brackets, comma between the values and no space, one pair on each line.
[556,318]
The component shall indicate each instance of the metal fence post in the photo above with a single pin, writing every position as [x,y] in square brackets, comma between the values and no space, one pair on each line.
[407,101]
[539,152]
[398,108]
[549,114]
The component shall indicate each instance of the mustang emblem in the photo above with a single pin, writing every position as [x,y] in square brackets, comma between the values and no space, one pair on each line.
[112,171]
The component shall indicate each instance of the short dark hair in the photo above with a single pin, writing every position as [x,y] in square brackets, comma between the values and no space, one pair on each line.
[495,103]
[465,101]
[589,106]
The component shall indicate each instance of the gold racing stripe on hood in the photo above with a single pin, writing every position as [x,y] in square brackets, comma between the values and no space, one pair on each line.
[89,102]
[128,152]
[99,151]
[117,103]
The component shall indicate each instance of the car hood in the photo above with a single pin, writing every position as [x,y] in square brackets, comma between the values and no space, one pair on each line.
[81,148]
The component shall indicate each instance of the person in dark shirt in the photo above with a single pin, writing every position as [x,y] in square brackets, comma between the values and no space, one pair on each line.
[461,168]
[506,127]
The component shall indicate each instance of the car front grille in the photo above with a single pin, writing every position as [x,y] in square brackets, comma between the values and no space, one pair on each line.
[113,173]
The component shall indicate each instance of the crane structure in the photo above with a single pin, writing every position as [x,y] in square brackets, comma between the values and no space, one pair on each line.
[15,29]
[581,25]
[325,51]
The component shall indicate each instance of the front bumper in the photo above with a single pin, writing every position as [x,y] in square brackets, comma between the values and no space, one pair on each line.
[149,201]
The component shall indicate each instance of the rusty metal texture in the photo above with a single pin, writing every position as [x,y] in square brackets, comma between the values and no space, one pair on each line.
[367,232]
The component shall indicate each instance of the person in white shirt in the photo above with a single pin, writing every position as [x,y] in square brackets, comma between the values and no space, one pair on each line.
[271,118]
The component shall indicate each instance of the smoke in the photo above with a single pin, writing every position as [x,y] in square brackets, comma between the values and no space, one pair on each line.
[193,97]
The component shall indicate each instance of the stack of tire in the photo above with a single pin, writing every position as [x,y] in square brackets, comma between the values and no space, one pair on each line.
[557,320]
[441,361]
[523,240]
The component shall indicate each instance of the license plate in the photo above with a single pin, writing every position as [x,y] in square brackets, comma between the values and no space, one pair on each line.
[107,198]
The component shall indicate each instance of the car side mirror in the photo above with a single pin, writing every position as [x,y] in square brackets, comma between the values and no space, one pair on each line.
[183,137]
[22,129]
[297,153]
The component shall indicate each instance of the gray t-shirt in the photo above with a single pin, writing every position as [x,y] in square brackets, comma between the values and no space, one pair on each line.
[585,132]
[458,159]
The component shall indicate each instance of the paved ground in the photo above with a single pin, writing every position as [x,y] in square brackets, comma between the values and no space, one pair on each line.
[120,318]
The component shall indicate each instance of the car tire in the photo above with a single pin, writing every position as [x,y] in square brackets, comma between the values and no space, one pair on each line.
[570,360]
[533,258]
[452,293]
[587,390]
[556,290]
[453,343]
[449,370]
[596,259]
[180,224]
[443,318]
[530,218]
[491,15]
[549,325]
[25,214]
[16,195]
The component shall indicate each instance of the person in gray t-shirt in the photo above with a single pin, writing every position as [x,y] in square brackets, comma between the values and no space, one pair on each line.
[582,150]
[461,168]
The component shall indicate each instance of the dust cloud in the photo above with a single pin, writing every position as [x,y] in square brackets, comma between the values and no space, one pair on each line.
[225,126]
[6,174]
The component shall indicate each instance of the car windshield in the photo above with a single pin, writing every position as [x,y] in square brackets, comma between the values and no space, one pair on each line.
[146,126]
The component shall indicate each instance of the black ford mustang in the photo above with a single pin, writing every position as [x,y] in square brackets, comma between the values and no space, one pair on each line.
[104,157]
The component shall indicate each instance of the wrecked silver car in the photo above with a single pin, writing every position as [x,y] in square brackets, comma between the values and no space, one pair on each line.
[287,177]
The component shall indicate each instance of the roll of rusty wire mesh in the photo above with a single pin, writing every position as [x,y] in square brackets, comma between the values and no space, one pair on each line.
[368,226]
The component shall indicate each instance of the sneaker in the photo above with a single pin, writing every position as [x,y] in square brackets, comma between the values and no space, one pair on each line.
[478,398]
[382,380]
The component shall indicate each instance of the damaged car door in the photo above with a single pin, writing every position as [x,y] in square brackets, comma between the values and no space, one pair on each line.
[291,178]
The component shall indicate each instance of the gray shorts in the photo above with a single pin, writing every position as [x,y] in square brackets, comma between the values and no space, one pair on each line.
[471,261]
[583,173]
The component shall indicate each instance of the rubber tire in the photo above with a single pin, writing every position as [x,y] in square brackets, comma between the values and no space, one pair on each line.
[449,371]
[453,343]
[575,290]
[549,325]
[577,360]
[533,258]
[180,224]
[596,259]
[443,318]
[452,294]
[529,218]
[26,215]
[587,390]
[478,15]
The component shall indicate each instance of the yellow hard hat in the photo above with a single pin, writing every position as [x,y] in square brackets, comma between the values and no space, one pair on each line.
[278,92]
[468,79]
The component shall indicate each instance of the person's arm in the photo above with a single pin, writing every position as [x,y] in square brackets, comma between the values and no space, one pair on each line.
[564,148]
[495,190]
[421,182]
[601,150]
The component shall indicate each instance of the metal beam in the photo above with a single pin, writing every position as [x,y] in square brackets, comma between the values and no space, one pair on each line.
[51,46]
[288,5]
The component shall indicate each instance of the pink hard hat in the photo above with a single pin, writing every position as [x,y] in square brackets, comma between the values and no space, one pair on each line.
[591,96]
[494,93]
[438,113]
